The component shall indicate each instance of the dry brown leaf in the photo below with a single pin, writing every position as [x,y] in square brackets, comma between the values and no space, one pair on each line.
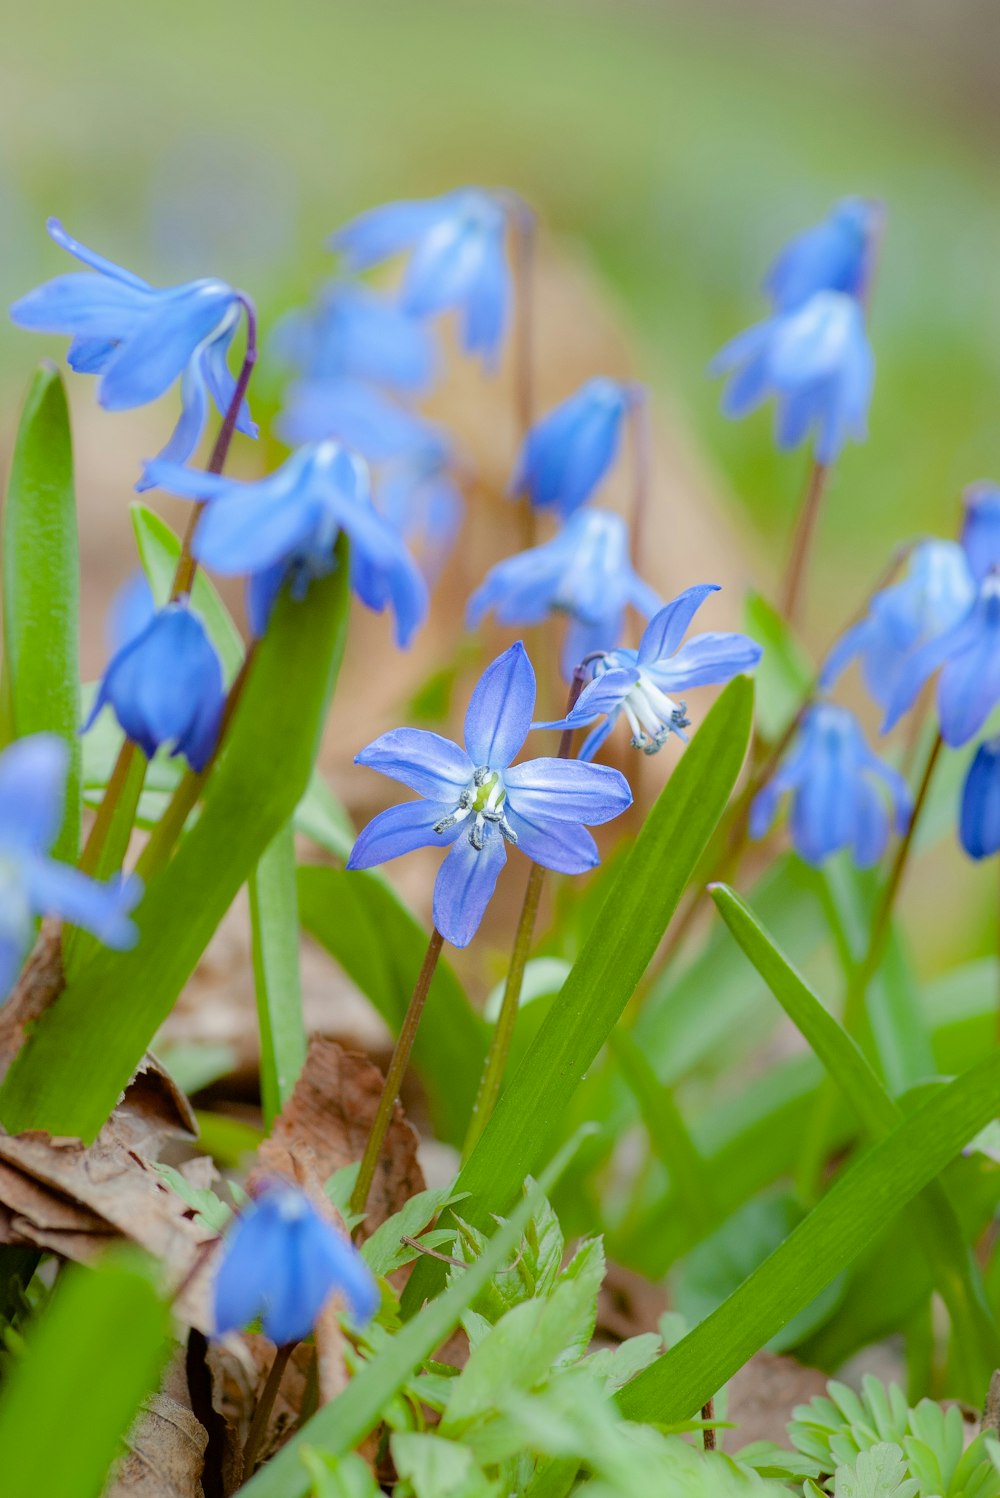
[239,1367]
[165,1449]
[763,1394]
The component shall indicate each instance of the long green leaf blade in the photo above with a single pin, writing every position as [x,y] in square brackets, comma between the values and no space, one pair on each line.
[274,926]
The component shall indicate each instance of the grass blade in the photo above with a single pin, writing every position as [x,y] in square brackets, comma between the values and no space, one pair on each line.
[274,926]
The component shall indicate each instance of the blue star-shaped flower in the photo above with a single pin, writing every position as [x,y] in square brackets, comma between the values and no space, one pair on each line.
[476,801]
[979,818]
[567,453]
[834,255]
[140,339]
[636,682]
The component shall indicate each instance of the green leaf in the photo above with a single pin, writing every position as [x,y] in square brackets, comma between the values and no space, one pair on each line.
[41,588]
[435,1467]
[857,1207]
[159,551]
[61,1427]
[70,1073]
[384,1251]
[360,920]
[319,815]
[877,1473]
[624,938]
[274,927]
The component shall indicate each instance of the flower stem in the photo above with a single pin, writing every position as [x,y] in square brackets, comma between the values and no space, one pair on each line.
[113,792]
[708,1434]
[642,472]
[265,1405]
[805,531]
[394,1076]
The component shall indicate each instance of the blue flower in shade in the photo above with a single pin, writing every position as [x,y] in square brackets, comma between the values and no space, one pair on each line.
[477,802]
[583,572]
[418,496]
[356,414]
[979,819]
[832,776]
[32,790]
[281,1262]
[636,682]
[284,528]
[356,334]
[817,363]
[935,593]
[566,454]
[835,255]
[456,259]
[165,687]
[140,339]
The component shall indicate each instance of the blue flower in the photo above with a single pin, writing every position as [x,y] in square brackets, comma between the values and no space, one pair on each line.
[281,1262]
[817,363]
[457,260]
[356,334]
[476,802]
[832,776]
[835,255]
[568,452]
[32,791]
[935,593]
[636,682]
[284,528]
[979,821]
[165,687]
[583,572]
[131,610]
[140,339]
[356,414]
[420,500]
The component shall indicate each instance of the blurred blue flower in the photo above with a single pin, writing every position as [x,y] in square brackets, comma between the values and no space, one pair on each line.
[356,414]
[979,820]
[981,529]
[832,775]
[32,790]
[817,363]
[934,594]
[355,333]
[165,687]
[476,802]
[583,572]
[636,682]
[285,527]
[566,454]
[140,339]
[418,496]
[281,1262]
[457,259]
[131,610]
[834,255]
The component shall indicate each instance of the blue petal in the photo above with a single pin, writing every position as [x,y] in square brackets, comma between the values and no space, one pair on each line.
[850,644]
[102,909]
[666,630]
[487,307]
[922,664]
[589,637]
[981,529]
[89,307]
[464,886]
[131,610]
[596,737]
[220,380]
[386,230]
[429,764]
[149,361]
[261,594]
[872,830]
[189,483]
[499,712]
[567,790]
[187,433]
[92,258]
[605,694]
[969,687]
[763,809]
[834,255]
[979,824]
[32,792]
[90,355]
[356,414]
[400,830]
[565,847]
[706,660]
[252,1264]
[248,531]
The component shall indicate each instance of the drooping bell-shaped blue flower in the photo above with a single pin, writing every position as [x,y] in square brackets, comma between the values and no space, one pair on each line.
[979,819]
[566,454]
[636,682]
[139,339]
[284,528]
[281,1262]
[165,687]
[834,255]
[456,259]
[132,607]
[475,801]
[981,529]
[584,572]
[817,363]
[833,778]
[32,792]
[356,414]
[418,496]
[934,595]
[355,333]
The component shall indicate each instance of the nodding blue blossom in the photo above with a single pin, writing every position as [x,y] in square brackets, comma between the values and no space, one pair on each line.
[835,255]
[456,259]
[132,608]
[967,654]
[32,793]
[817,363]
[832,776]
[418,496]
[165,687]
[979,818]
[139,339]
[583,572]
[281,1262]
[284,528]
[355,333]
[476,802]
[356,414]
[934,594]
[566,454]
[636,682]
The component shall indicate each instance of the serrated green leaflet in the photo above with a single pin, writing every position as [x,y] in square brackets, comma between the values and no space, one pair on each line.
[855,1209]
[624,937]
[274,928]
[41,588]
[69,1075]
[61,1427]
